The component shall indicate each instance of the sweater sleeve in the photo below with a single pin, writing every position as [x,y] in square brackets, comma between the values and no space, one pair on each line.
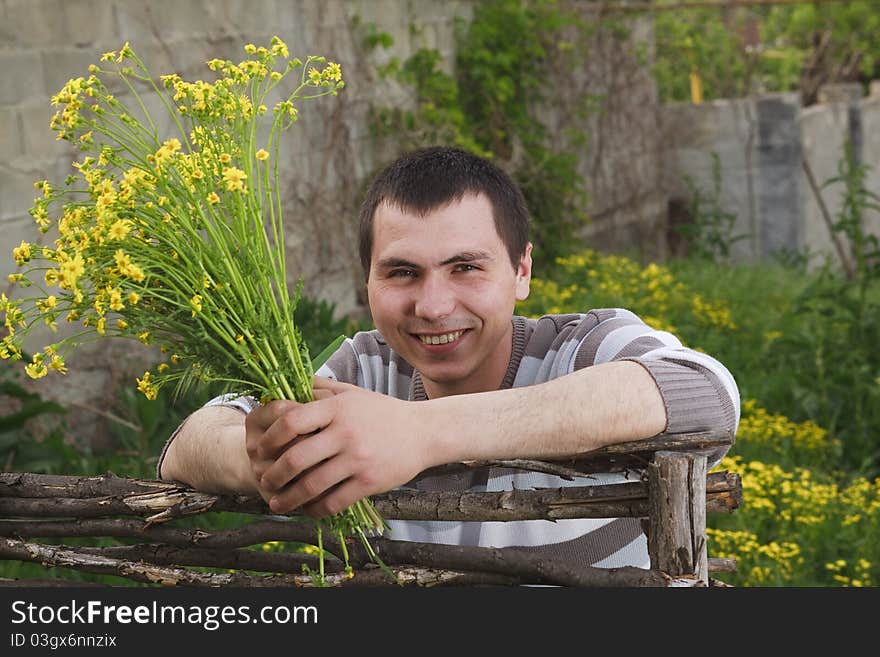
[699,393]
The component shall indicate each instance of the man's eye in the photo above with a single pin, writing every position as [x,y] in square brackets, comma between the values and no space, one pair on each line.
[401,273]
[465,267]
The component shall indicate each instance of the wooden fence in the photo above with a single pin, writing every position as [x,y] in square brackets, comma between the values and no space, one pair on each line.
[671,492]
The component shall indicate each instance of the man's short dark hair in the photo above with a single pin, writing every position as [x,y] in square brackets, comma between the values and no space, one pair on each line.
[429,178]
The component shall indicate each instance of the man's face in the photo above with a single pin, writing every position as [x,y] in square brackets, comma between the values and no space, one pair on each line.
[442,292]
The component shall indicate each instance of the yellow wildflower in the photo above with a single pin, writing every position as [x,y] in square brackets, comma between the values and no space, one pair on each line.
[22,253]
[213,198]
[36,371]
[149,389]
[70,270]
[196,304]
[262,155]
[234,179]
[333,72]
[57,364]
[120,229]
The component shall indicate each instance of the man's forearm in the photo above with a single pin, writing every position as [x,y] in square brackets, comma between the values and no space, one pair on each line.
[586,410]
[209,453]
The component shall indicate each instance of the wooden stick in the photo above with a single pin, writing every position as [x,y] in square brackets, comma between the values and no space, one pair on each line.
[162,504]
[677,535]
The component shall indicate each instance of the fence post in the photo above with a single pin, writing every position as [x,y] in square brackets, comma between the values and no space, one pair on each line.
[677,525]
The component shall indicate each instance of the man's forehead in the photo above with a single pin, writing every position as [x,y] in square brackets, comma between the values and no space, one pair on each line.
[444,235]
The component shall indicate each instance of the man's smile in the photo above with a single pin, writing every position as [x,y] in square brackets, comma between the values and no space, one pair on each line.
[443,338]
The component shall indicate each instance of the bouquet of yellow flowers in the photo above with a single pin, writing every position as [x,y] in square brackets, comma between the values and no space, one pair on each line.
[176,240]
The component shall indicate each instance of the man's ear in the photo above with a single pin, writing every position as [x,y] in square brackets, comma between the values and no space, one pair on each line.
[524,273]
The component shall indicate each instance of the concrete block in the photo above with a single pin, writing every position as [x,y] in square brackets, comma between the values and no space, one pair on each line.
[30,24]
[90,24]
[840,92]
[59,65]
[11,142]
[22,77]
[163,20]
[38,140]
[17,192]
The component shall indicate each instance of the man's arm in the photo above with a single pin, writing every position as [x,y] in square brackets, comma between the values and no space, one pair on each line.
[208,453]
[368,443]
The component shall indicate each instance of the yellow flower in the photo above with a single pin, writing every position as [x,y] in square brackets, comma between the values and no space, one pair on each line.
[120,229]
[121,324]
[333,72]
[116,299]
[70,271]
[162,367]
[133,298]
[213,198]
[234,179]
[262,155]
[149,389]
[196,304]
[279,47]
[22,253]
[57,364]
[36,371]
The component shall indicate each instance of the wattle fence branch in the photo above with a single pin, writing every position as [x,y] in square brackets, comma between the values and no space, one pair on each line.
[670,491]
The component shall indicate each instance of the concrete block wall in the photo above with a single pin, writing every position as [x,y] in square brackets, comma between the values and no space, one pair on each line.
[762,144]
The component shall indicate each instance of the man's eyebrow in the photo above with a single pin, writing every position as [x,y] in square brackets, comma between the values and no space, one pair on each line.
[390,263]
[468,256]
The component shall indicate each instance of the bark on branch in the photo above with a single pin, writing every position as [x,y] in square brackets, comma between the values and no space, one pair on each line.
[46,499]
[53,556]
[495,566]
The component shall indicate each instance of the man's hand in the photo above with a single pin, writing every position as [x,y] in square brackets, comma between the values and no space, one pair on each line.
[326,455]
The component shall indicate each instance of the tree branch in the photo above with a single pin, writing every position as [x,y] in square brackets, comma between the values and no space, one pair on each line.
[600,501]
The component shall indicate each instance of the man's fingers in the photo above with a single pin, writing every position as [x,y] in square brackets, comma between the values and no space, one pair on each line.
[301,420]
[310,486]
[303,454]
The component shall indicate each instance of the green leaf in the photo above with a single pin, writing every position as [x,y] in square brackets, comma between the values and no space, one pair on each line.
[321,358]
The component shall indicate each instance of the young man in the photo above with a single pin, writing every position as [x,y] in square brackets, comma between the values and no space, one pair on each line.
[450,374]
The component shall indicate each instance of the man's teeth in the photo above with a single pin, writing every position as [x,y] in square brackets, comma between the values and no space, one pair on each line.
[441,339]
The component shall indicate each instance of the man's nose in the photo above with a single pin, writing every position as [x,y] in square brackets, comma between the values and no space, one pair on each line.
[435,298]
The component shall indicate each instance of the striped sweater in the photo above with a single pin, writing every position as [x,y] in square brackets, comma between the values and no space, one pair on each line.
[699,393]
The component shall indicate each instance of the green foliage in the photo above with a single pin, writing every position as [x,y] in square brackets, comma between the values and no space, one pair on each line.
[697,40]
[799,47]
[838,41]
